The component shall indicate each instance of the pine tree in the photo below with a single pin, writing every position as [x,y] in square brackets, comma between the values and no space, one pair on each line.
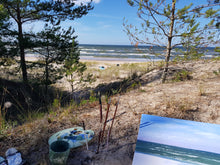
[53,45]
[26,11]
[163,21]
[5,41]
[72,65]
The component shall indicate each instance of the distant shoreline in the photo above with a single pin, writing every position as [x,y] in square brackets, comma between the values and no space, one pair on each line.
[113,59]
[130,45]
[101,59]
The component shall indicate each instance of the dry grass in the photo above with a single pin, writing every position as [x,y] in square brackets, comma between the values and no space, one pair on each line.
[113,72]
[182,108]
[196,99]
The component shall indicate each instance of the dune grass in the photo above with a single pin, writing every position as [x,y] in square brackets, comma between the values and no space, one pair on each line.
[120,71]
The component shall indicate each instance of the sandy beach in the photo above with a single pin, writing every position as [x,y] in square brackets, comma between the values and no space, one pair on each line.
[30,57]
[146,159]
[112,60]
[100,59]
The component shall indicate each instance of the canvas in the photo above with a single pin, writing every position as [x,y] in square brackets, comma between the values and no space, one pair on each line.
[163,141]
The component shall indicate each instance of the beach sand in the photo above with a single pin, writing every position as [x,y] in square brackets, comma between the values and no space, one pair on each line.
[195,99]
[145,159]
[112,60]
[100,59]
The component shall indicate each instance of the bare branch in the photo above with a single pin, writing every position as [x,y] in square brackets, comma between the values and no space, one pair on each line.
[10,13]
[158,24]
[204,6]
[178,44]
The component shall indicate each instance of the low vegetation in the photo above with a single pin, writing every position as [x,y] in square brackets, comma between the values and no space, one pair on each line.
[182,75]
[193,98]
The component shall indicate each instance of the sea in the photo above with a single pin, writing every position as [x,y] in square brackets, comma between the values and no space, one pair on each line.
[132,53]
[155,153]
[128,53]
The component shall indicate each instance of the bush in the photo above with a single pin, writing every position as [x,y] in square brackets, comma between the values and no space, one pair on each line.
[182,76]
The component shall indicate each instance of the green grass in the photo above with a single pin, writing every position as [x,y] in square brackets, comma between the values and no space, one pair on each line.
[217,72]
[112,71]
[182,76]
[216,58]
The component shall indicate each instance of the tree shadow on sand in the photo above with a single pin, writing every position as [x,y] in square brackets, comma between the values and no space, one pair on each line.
[133,82]
[109,89]
[18,100]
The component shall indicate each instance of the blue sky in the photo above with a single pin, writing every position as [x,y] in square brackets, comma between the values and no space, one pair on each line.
[104,24]
[182,133]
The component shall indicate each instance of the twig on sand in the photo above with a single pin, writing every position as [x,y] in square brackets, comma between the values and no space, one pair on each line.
[84,127]
[116,116]
[116,108]
[100,130]
[100,107]
[99,140]
[108,139]
[106,118]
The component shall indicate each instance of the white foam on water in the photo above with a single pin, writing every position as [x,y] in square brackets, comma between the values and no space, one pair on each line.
[145,159]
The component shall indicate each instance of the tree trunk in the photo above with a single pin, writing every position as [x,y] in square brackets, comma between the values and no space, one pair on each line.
[47,71]
[46,79]
[170,37]
[21,47]
[72,87]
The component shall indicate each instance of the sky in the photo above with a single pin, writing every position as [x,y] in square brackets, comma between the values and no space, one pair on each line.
[104,24]
[181,133]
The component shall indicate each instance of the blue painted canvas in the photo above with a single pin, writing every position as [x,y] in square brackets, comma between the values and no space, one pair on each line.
[168,141]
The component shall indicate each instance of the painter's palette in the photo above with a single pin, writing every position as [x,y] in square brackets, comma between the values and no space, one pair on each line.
[163,141]
[75,136]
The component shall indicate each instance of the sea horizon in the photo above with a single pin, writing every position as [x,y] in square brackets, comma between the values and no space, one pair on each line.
[176,153]
[140,53]
[132,45]
[148,53]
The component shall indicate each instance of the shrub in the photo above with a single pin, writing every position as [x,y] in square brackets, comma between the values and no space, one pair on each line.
[217,72]
[182,76]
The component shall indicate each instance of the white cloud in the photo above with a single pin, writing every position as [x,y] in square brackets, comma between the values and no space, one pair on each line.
[104,16]
[78,2]
[96,1]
